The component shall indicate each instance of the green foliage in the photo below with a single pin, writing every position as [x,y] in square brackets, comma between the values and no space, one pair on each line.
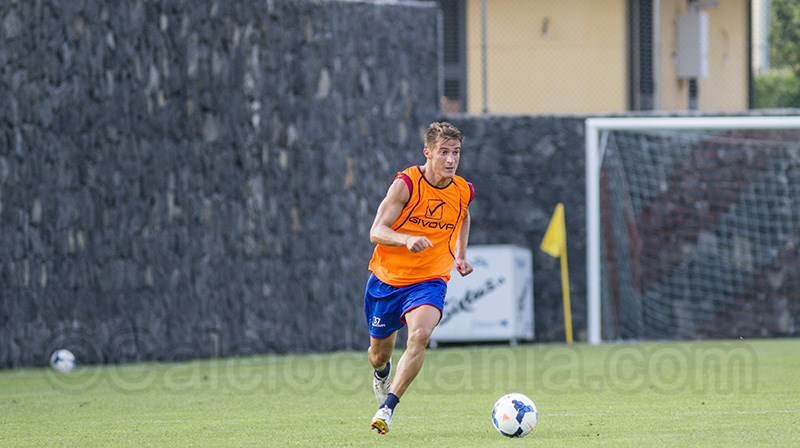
[780,86]
[709,394]
[784,34]
[777,88]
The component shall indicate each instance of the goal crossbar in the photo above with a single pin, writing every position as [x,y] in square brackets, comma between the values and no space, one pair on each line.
[594,127]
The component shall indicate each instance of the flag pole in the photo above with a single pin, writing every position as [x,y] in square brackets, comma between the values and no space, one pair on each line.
[554,244]
[565,294]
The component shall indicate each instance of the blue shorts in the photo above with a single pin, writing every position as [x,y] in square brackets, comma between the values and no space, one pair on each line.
[385,306]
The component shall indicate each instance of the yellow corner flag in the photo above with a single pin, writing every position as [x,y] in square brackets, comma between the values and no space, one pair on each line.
[554,244]
[555,238]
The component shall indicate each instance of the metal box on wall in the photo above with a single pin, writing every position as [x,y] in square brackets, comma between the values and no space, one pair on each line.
[693,44]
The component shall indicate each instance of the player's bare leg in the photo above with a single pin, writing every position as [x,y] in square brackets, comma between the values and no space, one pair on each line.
[380,356]
[380,351]
[421,323]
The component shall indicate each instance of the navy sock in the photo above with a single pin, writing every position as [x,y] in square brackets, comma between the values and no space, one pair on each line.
[391,401]
[385,372]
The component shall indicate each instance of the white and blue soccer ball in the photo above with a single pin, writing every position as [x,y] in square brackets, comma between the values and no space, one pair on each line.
[62,360]
[514,415]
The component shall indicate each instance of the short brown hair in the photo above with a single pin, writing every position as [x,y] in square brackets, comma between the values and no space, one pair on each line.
[443,130]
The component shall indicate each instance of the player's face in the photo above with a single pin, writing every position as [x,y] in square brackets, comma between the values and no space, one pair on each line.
[444,158]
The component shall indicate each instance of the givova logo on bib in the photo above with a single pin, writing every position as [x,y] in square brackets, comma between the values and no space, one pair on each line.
[435,209]
[433,213]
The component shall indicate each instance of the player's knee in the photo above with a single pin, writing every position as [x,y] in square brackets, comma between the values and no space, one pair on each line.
[419,336]
[378,359]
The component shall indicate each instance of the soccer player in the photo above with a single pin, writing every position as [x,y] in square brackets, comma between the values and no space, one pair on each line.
[420,230]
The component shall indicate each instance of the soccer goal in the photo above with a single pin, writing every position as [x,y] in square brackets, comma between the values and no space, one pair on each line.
[693,227]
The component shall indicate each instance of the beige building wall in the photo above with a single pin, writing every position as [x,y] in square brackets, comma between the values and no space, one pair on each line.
[728,64]
[571,56]
[548,56]
[725,89]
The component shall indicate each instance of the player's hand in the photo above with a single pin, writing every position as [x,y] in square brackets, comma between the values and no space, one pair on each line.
[417,244]
[463,267]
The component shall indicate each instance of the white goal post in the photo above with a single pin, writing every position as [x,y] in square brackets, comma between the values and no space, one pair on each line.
[596,129]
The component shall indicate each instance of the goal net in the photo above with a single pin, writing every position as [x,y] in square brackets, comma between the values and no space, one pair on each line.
[693,227]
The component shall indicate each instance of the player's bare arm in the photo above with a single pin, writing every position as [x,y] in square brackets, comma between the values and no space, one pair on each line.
[462,264]
[388,212]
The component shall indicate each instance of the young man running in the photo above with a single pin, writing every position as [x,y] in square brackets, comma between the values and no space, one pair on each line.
[420,230]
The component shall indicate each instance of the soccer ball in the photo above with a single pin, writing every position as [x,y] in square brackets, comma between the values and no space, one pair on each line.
[514,415]
[62,360]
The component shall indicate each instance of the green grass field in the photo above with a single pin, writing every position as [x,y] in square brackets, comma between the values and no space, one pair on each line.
[713,393]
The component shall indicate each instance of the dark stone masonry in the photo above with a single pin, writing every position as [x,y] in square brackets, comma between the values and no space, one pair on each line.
[193,179]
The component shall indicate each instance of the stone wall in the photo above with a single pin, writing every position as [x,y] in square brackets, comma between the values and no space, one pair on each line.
[189,179]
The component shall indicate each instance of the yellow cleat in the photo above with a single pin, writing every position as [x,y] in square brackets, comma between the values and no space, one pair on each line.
[382,420]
